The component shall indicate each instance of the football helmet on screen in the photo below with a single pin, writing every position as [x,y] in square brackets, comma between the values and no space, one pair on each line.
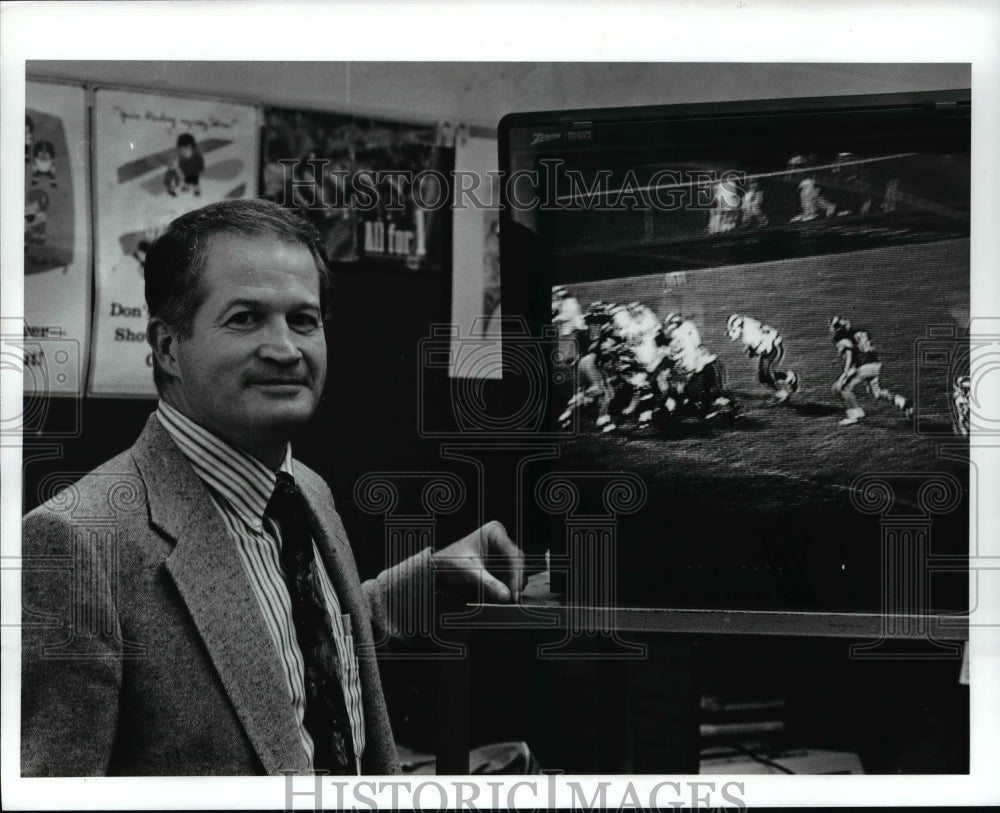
[791,381]
[734,327]
[839,322]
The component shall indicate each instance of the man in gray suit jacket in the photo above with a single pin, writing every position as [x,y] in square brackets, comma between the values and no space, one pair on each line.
[158,637]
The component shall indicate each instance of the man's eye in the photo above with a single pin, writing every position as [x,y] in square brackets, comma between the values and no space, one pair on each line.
[241,319]
[303,321]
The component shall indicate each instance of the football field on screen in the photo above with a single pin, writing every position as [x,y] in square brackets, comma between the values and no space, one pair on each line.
[771,490]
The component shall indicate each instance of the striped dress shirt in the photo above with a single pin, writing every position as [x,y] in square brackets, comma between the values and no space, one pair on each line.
[240,488]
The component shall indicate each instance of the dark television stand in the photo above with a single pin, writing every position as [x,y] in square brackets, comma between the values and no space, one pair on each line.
[874,636]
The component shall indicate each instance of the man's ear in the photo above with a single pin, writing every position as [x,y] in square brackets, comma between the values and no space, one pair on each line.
[163,340]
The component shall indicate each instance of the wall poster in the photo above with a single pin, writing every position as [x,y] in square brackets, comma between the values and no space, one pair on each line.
[475,293]
[56,239]
[375,189]
[156,157]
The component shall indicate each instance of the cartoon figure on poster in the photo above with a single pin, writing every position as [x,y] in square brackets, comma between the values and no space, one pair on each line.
[49,223]
[190,162]
[184,172]
[43,157]
[35,216]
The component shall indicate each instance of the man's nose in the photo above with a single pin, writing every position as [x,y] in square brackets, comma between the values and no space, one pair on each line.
[279,343]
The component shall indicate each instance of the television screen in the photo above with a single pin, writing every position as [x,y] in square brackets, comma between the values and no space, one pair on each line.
[758,316]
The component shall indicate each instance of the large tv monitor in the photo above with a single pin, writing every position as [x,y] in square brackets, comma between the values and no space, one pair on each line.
[696,276]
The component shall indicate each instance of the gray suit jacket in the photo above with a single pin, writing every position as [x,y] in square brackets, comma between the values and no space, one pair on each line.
[144,649]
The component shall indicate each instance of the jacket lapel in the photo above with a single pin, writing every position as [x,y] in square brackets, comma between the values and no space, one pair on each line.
[216,590]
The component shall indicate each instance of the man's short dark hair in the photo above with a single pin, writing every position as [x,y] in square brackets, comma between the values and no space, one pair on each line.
[175,260]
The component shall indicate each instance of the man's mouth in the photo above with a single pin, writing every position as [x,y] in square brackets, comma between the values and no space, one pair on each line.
[280,382]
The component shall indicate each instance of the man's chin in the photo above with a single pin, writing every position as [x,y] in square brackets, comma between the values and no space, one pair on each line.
[283,412]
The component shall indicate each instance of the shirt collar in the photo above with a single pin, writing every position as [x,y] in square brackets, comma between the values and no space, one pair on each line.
[244,483]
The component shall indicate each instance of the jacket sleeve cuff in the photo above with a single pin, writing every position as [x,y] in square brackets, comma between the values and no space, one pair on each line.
[401,598]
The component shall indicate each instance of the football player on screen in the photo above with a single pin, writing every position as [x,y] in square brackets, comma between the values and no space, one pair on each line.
[597,350]
[695,379]
[961,398]
[567,317]
[765,344]
[643,354]
[861,366]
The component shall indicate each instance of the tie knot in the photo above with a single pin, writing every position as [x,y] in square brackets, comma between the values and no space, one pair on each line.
[286,499]
[285,482]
